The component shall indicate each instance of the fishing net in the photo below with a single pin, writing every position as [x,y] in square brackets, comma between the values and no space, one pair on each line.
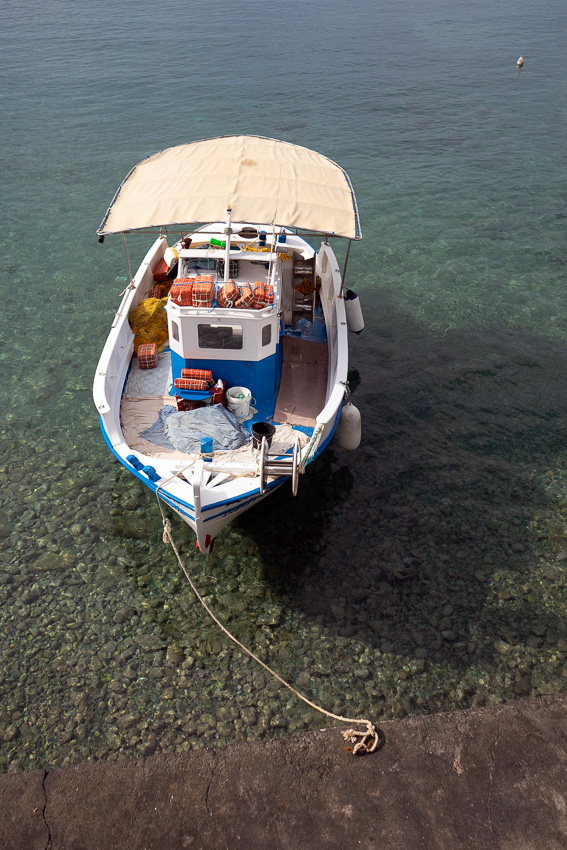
[148,322]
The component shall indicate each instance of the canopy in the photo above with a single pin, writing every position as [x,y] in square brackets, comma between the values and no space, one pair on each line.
[262,180]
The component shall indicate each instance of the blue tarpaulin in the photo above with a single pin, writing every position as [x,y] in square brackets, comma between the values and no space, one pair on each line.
[184,430]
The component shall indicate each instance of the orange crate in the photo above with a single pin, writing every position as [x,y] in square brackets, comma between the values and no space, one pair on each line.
[161,271]
[203,291]
[263,295]
[228,294]
[246,296]
[147,355]
[190,384]
[182,291]
[198,375]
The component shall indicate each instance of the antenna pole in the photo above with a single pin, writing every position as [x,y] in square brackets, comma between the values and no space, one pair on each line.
[227,233]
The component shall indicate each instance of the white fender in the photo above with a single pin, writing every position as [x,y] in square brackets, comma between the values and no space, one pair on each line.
[355,321]
[349,427]
[171,257]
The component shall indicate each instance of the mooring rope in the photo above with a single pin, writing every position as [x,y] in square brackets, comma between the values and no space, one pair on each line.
[312,446]
[368,739]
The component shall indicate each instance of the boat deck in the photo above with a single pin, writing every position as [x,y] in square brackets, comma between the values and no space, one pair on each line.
[303,383]
[301,397]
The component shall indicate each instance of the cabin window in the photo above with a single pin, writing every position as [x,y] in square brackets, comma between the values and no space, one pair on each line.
[175,331]
[266,334]
[220,336]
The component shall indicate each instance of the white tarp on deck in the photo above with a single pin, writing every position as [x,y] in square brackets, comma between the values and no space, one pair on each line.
[261,180]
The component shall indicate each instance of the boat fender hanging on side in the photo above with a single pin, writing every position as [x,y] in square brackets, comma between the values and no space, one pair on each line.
[355,321]
[171,257]
[349,429]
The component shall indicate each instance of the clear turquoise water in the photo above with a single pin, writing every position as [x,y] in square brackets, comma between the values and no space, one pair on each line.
[458,161]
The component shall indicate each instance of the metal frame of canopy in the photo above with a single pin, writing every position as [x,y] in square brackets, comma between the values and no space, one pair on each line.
[164,231]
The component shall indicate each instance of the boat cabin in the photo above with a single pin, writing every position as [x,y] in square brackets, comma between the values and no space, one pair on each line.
[232,323]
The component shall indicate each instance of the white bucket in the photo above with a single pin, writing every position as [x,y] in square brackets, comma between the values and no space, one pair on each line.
[238,401]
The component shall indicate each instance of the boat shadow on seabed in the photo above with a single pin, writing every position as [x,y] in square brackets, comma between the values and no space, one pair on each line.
[287,530]
[445,542]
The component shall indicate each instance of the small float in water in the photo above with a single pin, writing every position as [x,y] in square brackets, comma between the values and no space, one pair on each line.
[225,370]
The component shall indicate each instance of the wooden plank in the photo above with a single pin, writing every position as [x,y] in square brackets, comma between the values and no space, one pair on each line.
[303,383]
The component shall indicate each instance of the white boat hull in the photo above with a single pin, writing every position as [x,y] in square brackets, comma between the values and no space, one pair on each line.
[206,495]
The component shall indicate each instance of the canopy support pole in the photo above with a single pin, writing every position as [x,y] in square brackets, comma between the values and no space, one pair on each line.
[127,259]
[345,268]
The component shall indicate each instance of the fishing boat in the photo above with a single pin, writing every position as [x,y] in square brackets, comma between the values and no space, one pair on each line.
[224,374]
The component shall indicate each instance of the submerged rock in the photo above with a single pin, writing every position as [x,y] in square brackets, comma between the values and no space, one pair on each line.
[54,561]
[175,655]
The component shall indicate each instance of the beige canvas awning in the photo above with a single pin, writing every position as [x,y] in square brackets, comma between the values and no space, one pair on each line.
[261,180]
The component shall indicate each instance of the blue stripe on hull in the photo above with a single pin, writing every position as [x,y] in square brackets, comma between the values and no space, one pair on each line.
[185,507]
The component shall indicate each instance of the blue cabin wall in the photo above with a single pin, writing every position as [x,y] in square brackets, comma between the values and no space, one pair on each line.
[261,377]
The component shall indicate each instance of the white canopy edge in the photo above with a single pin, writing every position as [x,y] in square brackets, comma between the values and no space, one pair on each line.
[263,181]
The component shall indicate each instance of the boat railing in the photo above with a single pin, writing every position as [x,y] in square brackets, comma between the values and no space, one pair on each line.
[335,320]
[324,423]
[116,354]
[329,412]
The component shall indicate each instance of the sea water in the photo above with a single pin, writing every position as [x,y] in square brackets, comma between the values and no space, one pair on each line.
[425,572]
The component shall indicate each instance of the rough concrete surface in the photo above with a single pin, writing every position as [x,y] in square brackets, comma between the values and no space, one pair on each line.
[492,778]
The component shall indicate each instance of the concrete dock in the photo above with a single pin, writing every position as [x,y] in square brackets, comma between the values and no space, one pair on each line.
[485,779]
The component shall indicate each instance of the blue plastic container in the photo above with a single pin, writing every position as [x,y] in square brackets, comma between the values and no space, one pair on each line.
[207,448]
